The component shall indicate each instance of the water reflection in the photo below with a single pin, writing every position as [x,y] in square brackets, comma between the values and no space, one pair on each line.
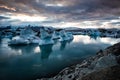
[86,40]
[0,40]
[49,58]
[23,50]
[109,40]
[45,51]
[37,49]
[93,37]
[64,43]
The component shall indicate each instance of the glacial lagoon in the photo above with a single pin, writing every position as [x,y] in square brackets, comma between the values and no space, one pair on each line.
[32,61]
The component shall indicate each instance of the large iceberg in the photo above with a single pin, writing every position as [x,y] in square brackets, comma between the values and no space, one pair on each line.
[27,36]
[46,36]
[18,41]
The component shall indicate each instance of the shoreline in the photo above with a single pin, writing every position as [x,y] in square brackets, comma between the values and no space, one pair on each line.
[104,61]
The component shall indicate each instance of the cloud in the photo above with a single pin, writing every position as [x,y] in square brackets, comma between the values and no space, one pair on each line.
[7,8]
[62,11]
[3,17]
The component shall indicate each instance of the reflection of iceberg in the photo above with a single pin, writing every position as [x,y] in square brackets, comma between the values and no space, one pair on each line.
[69,41]
[0,40]
[29,49]
[45,50]
[64,43]
[94,37]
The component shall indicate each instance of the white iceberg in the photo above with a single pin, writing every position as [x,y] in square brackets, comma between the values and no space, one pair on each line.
[45,37]
[18,41]
[64,36]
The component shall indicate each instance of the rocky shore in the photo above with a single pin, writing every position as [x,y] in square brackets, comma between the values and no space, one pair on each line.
[105,65]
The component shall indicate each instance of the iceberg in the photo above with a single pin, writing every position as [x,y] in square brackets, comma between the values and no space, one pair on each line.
[55,35]
[18,41]
[45,37]
[64,36]
[27,36]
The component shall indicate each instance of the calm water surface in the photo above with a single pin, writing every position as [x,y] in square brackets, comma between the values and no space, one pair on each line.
[33,61]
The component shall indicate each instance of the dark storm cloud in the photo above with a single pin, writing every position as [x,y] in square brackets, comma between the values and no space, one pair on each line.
[64,10]
[71,7]
[94,9]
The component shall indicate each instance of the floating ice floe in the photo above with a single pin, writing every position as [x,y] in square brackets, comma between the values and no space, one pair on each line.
[65,35]
[27,36]
[45,37]
[18,41]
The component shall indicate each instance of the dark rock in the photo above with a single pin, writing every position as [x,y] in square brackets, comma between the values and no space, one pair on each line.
[111,73]
[118,59]
[115,49]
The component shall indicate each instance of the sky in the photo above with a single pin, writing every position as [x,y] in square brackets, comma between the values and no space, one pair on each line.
[61,13]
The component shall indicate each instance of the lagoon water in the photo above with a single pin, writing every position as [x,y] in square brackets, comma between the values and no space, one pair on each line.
[32,62]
